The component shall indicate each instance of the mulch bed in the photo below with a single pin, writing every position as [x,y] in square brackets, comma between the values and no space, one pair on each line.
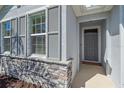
[10,82]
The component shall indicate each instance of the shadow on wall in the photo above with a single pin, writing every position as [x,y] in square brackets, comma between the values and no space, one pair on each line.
[5,10]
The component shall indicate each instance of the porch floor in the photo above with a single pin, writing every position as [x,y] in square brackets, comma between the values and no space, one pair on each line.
[92,76]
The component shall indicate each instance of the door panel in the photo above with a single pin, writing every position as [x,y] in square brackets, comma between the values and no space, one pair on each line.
[91,45]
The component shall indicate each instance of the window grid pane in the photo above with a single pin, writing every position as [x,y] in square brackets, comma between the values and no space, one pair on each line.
[14,27]
[22,26]
[38,23]
[6,29]
[38,26]
[6,44]
[38,44]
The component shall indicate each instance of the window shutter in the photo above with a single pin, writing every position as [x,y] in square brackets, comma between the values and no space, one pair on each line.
[53,19]
[22,37]
[54,32]
[14,37]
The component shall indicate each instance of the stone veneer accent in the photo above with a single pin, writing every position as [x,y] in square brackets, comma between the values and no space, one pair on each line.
[47,74]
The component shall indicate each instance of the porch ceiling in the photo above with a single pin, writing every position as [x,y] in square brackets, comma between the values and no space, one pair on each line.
[81,10]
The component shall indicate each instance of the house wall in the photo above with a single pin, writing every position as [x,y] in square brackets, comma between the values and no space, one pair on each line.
[114,54]
[122,45]
[72,34]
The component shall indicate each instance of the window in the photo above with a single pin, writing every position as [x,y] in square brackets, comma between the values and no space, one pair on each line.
[24,36]
[38,33]
[38,44]
[14,38]
[7,35]
[10,36]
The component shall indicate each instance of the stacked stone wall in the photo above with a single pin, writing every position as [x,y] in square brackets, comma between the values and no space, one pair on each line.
[47,74]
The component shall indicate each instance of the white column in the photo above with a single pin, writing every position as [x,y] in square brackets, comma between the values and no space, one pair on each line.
[63,33]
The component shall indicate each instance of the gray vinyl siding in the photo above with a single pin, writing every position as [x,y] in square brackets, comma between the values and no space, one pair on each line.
[71,39]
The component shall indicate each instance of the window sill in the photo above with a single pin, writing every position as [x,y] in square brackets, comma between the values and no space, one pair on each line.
[47,60]
[7,53]
[37,56]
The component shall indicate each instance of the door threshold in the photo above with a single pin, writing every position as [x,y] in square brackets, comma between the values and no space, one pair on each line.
[91,63]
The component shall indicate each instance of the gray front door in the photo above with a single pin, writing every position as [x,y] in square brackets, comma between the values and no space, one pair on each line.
[91,44]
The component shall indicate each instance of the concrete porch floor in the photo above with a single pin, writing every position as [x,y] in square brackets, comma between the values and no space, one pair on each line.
[92,76]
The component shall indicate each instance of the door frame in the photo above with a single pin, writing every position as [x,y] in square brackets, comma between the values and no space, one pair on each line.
[99,42]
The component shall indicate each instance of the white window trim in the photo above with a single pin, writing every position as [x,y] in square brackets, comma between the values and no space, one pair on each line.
[7,37]
[38,34]
[37,56]
[7,53]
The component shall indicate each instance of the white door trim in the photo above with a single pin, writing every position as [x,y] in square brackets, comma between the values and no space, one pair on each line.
[99,42]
